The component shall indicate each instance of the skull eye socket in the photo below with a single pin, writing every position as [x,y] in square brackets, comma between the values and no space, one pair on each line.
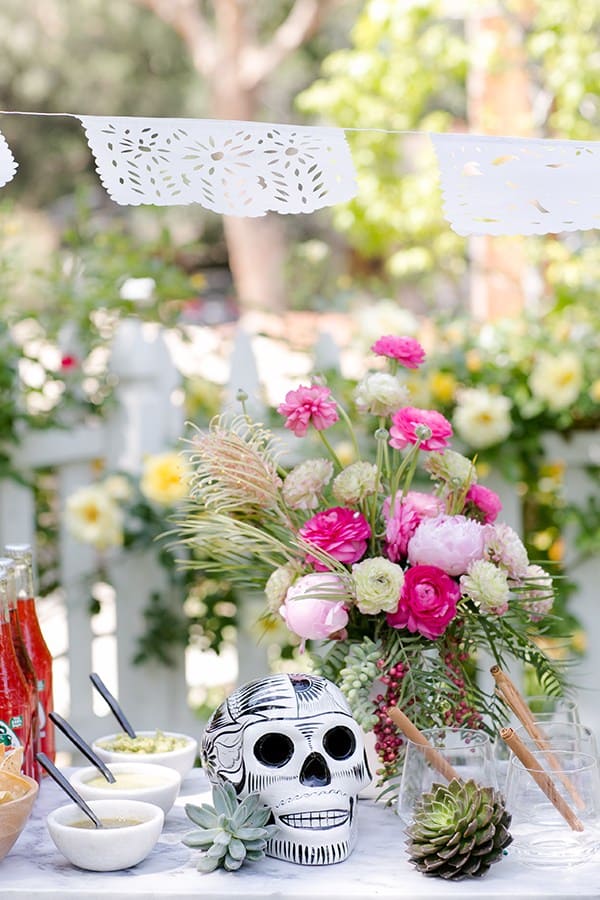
[339,742]
[274,750]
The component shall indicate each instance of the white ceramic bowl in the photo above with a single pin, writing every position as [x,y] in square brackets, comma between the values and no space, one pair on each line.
[181,759]
[106,849]
[161,783]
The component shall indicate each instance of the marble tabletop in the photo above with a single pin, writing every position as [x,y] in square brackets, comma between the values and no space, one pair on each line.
[377,868]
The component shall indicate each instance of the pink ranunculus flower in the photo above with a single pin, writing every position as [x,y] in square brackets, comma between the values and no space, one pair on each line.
[406,350]
[409,421]
[450,542]
[314,606]
[408,514]
[341,532]
[484,503]
[308,405]
[428,602]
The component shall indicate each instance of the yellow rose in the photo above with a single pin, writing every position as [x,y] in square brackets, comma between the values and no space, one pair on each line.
[442,386]
[93,517]
[164,478]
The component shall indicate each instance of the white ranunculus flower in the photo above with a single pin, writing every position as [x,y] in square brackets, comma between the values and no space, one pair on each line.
[303,486]
[482,418]
[378,583]
[487,586]
[93,517]
[354,483]
[557,380]
[380,394]
[452,467]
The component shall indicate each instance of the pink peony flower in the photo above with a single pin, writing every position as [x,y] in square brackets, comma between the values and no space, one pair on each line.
[406,350]
[341,532]
[411,425]
[407,515]
[485,503]
[306,405]
[427,603]
[450,542]
[314,606]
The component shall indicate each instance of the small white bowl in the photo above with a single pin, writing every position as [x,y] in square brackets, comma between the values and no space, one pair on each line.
[161,787]
[106,849]
[181,759]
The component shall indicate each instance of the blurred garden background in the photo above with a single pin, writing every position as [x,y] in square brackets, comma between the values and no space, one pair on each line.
[511,325]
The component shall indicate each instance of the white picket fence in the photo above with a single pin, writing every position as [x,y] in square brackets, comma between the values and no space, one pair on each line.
[148,419]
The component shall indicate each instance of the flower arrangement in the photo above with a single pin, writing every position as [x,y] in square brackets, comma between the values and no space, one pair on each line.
[400,587]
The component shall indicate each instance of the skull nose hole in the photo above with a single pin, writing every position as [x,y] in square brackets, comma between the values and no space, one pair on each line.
[315,771]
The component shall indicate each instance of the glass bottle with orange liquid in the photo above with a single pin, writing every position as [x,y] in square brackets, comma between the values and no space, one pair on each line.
[33,637]
[15,709]
[25,665]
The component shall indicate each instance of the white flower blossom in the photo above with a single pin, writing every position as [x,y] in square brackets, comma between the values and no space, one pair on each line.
[536,595]
[504,547]
[380,394]
[118,487]
[378,583]
[355,482]
[451,467]
[303,485]
[482,418]
[487,586]
[557,379]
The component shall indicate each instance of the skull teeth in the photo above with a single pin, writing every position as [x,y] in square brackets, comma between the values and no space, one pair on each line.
[321,819]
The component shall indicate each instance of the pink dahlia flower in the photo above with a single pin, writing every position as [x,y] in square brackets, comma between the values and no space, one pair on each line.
[450,542]
[341,532]
[314,606]
[406,350]
[427,603]
[407,516]
[308,405]
[411,425]
[485,503]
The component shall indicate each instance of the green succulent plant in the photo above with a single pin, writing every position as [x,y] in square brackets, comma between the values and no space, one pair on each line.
[458,830]
[231,831]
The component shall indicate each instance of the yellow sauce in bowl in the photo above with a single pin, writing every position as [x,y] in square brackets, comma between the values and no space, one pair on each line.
[126,781]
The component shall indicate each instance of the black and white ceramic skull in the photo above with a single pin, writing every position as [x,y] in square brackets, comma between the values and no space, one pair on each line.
[293,740]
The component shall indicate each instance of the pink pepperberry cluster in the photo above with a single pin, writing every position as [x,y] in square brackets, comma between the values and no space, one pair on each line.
[461,712]
[388,738]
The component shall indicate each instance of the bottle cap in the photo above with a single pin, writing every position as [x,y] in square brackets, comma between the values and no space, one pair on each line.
[18,551]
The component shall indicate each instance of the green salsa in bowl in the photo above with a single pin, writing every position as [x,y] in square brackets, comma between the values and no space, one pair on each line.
[165,748]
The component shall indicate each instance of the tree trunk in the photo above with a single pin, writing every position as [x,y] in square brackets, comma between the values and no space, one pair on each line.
[498,103]
[256,247]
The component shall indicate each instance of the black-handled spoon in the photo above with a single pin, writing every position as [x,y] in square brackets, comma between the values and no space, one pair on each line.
[82,745]
[113,703]
[67,787]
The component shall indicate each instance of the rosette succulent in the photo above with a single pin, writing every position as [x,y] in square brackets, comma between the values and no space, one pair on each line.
[229,833]
[458,830]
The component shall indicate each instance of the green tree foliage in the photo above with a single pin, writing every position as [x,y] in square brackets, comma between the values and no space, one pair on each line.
[101,57]
[408,71]
[404,72]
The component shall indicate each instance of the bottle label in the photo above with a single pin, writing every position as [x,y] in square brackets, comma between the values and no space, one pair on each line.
[7,735]
[42,719]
